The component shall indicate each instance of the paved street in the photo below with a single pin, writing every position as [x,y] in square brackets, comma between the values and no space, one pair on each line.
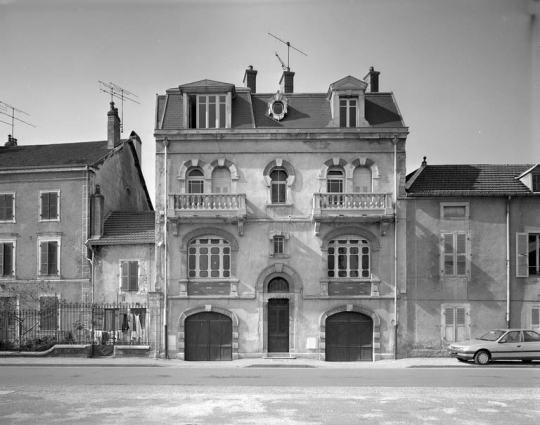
[268,393]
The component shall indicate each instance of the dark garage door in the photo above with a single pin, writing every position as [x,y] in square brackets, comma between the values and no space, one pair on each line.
[349,337]
[208,337]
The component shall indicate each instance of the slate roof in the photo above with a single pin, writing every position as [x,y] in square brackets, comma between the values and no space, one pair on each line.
[468,180]
[122,228]
[305,110]
[53,155]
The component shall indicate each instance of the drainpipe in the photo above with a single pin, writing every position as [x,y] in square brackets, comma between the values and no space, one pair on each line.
[508,262]
[165,268]
[395,142]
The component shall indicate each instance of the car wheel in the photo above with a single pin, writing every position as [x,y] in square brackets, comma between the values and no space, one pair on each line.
[482,357]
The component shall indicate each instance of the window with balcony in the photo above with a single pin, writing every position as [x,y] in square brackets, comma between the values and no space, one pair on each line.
[348,257]
[7,207]
[347,112]
[195,181]
[209,257]
[221,180]
[278,177]
[362,180]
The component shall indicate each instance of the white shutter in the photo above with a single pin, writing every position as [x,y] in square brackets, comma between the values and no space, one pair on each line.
[522,254]
[535,318]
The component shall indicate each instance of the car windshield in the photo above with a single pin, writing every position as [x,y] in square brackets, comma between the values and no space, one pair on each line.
[492,336]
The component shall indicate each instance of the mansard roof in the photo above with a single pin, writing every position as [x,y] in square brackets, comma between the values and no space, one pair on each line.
[467,180]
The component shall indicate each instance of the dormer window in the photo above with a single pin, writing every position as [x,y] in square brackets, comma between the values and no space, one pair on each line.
[211,111]
[347,112]
[536,182]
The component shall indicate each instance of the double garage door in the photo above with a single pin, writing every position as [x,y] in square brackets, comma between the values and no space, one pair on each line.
[208,337]
[349,337]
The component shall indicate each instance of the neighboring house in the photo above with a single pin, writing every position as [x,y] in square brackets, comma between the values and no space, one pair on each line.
[281,213]
[45,214]
[473,253]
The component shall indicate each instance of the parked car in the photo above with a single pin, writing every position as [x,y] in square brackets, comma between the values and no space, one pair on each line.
[499,344]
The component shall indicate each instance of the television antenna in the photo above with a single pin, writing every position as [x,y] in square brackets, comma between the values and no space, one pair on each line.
[288,51]
[120,93]
[4,107]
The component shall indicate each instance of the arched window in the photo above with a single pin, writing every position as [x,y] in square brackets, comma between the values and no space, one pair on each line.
[348,257]
[221,180]
[362,180]
[195,181]
[278,177]
[334,180]
[278,285]
[209,257]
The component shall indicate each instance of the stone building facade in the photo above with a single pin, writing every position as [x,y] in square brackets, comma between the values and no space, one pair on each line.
[277,213]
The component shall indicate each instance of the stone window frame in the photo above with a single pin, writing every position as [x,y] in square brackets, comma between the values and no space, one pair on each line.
[40,212]
[120,266]
[45,239]
[443,205]
[467,324]
[13,242]
[285,236]
[356,309]
[291,177]
[207,169]
[13,209]
[348,168]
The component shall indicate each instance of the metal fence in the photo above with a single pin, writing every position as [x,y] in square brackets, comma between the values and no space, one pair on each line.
[72,323]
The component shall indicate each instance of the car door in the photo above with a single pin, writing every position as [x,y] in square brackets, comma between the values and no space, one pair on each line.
[509,347]
[531,345]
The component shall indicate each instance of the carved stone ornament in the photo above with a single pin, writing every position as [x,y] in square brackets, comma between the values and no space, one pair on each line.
[277,107]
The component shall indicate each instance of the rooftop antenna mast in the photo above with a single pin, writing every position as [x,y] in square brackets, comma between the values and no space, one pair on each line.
[4,107]
[288,51]
[120,93]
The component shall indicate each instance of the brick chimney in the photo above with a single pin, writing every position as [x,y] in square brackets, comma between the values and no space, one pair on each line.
[98,213]
[286,83]
[250,79]
[12,141]
[113,127]
[372,78]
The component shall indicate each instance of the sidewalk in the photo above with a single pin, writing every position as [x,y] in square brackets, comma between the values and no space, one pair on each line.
[242,363]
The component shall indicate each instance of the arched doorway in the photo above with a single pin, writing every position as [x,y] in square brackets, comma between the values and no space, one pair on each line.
[208,337]
[278,317]
[349,337]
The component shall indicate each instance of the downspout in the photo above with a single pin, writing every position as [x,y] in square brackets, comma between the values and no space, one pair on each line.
[165,265]
[395,142]
[508,262]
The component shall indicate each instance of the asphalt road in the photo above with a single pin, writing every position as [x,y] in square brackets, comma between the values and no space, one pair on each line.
[94,395]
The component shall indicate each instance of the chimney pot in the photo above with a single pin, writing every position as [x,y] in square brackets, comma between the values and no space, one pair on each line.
[250,79]
[287,81]
[113,127]
[373,79]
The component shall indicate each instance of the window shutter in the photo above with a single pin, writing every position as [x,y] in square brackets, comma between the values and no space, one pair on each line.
[44,205]
[522,254]
[133,275]
[125,275]
[2,269]
[535,317]
[461,254]
[362,180]
[44,257]
[53,258]
[448,251]
[7,258]
[9,207]
[53,205]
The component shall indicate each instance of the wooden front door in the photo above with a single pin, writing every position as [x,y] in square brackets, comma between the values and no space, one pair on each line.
[278,325]
[349,337]
[208,337]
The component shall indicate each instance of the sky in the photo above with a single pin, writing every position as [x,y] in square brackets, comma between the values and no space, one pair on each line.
[465,73]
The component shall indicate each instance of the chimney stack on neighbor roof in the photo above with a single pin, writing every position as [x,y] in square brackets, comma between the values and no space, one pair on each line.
[287,81]
[12,141]
[113,127]
[250,79]
[373,79]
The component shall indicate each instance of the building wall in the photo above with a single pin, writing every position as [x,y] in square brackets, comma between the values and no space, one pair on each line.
[484,292]
[304,266]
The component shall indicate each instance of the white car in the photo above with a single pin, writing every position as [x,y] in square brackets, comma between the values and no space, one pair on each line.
[499,344]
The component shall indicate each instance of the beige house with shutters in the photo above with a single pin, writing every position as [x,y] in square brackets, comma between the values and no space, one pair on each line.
[473,253]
